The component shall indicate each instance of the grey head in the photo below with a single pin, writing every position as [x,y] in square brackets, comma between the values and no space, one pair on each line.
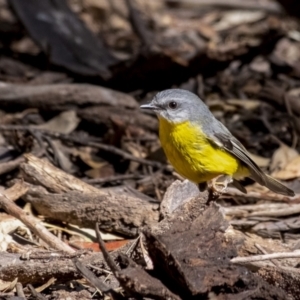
[177,106]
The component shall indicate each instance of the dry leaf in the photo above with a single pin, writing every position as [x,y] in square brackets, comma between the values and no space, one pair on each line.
[281,157]
[260,65]
[105,171]
[110,246]
[287,51]
[217,104]
[6,286]
[8,224]
[237,17]
[262,162]
[45,285]
[89,234]
[90,159]
[64,123]
[291,170]
[247,104]
[5,240]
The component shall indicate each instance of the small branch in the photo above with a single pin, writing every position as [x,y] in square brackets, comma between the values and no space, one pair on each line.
[270,7]
[113,178]
[110,262]
[35,294]
[259,247]
[267,195]
[20,292]
[61,196]
[90,276]
[271,210]
[280,255]
[11,165]
[32,223]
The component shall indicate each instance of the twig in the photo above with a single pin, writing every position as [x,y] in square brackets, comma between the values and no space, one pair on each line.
[280,255]
[259,247]
[258,196]
[90,276]
[113,266]
[20,292]
[35,294]
[243,210]
[291,210]
[6,202]
[11,165]
[271,7]
[113,178]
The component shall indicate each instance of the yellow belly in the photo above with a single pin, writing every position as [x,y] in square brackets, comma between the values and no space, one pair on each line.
[193,156]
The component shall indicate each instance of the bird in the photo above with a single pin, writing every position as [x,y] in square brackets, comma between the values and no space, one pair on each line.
[200,148]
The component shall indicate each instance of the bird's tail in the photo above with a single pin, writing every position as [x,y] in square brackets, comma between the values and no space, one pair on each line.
[277,187]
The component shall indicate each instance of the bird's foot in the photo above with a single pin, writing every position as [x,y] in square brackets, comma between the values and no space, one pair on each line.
[218,185]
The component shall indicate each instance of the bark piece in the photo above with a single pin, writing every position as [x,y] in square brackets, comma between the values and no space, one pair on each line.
[115,213]
[135,279]
[38,271]
[64,37]
[191,251]
[129,119]
[62,96]
[63,197]
[286,278]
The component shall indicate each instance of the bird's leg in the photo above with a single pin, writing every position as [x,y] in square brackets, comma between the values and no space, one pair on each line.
[202,186]
[220,186]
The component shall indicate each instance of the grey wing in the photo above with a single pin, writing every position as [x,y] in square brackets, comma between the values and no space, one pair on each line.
[227,141]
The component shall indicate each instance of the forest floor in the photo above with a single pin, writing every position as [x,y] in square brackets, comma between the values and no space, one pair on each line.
[90,207]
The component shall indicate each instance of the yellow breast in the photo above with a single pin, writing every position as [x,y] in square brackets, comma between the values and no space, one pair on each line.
[192,155]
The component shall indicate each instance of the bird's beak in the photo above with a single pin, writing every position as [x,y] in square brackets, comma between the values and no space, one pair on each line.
[149,106]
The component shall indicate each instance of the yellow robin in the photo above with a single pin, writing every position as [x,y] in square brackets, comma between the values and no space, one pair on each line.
[201,148]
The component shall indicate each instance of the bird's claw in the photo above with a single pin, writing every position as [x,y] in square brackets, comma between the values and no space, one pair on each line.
[220,186]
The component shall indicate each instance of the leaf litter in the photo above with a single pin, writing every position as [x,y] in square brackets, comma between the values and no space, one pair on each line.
[76,148]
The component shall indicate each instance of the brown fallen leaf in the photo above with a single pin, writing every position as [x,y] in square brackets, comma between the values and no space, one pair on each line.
[262,162]
[291,170]
[234,18]
[110,246]
[87,155]
[64,123]
[6,286]
[106,170]
[248,104]
[281,157]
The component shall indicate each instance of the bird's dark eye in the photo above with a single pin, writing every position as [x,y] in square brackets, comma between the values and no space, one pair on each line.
[172,104]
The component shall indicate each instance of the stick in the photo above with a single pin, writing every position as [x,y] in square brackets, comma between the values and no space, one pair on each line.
[271,7]
[6,202]
[280,255]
